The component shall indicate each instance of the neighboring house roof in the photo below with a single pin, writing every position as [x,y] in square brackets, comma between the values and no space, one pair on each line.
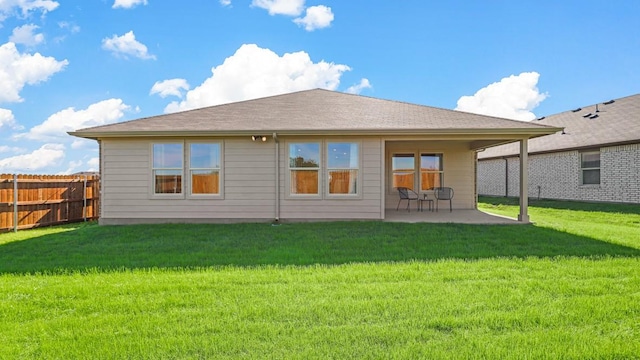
[614,122]
[316,112]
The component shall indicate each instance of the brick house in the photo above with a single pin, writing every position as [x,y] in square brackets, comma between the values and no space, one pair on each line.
[595,158]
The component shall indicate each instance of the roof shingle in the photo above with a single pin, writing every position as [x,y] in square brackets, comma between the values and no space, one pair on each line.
[312,111]
[616,123]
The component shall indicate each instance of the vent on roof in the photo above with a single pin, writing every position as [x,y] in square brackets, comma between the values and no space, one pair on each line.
[609,102]
[593,116]
[576,110]
[586,115]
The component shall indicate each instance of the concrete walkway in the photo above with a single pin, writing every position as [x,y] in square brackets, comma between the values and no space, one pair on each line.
[444,216]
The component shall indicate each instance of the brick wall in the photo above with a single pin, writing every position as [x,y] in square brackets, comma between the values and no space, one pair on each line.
[557,176]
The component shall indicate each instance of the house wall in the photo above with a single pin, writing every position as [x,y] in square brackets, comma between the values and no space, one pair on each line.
[248,190]
[557,176]
[458,166]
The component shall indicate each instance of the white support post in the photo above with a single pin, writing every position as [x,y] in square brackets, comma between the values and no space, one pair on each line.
[524,181]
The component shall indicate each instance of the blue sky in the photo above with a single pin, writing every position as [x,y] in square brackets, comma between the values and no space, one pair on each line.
[66,65]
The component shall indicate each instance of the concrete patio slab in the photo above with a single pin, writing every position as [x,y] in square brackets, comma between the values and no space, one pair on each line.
[444,216]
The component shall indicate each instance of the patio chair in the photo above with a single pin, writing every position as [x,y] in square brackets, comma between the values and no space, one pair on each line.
[406,194]
[443,193]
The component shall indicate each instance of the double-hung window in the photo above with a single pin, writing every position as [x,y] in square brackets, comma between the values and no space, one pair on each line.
[403,170]
[343,164]
[590,168]
[167,168]
[204,168]
[304,168]
[431,173]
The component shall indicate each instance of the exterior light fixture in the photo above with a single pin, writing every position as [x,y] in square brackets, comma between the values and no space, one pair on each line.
[262,138]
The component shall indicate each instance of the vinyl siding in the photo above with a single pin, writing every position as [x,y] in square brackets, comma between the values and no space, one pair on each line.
[248,190]
[458,166]
[365,206]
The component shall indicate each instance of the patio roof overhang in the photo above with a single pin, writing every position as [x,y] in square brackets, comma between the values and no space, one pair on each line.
[477,138]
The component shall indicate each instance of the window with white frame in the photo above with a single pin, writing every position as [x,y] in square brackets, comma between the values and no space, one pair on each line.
[590,167]
[343,166]
[403,170]
[304,168]
[431,172]
[204,168]
[167,168]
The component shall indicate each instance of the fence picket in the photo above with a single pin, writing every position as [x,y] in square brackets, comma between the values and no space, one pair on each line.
[44,200]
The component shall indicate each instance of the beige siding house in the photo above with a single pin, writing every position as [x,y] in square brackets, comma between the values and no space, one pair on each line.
[309,155]
[595,158]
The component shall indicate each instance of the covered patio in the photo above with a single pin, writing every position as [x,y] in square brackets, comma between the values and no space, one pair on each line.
[444,216]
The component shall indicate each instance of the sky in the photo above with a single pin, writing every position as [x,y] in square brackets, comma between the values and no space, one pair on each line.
[67,65]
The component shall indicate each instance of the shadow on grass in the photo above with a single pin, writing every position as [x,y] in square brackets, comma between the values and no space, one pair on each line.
[565,205]
[105,248]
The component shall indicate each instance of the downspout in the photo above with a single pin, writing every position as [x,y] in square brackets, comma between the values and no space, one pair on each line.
[277,192]
[506,177]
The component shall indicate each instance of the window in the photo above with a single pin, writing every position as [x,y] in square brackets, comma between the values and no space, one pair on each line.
[204,168]
[403,169]
[343,163]
[590,167]
[167,168]
[431,174]
[304,168]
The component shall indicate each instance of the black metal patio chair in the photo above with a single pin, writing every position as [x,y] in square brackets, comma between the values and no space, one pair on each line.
[406,194]
[443,193]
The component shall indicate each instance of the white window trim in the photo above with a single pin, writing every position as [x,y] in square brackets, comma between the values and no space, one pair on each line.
[417,178]
[188,169]
[326,168]
[429,172]
[152,180]
[582,169]
[393,190]
[319,169]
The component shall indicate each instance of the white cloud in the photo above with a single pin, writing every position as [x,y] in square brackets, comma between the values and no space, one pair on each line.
[71,26]
[317,17]
[170,87]
[82,144]
[94,164]
[26,35]
[70,119]
[254,72]
[280,7]
[9,7]
[225,2]
[7,119]
[15,150]
[47,156]
[513,97]
[126,45]
[18,69]
[128,4]
[73,165]
[356,89]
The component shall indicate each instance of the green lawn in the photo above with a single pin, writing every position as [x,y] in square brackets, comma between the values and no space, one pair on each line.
[567,287]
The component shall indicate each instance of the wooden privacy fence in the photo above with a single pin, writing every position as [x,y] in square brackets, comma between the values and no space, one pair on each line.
[28,201]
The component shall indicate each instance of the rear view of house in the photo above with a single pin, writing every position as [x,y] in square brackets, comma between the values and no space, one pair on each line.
[595,158]
[309,155]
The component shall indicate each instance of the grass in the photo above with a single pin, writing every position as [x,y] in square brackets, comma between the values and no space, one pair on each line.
[328,290]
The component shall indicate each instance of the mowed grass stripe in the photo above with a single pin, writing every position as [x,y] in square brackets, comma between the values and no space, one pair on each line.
[328,290]
[540,307]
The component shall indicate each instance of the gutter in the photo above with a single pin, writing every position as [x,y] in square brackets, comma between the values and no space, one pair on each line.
[440,133]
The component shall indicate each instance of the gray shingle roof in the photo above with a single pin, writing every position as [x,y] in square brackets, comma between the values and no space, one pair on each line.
[616,123]
[314,111]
